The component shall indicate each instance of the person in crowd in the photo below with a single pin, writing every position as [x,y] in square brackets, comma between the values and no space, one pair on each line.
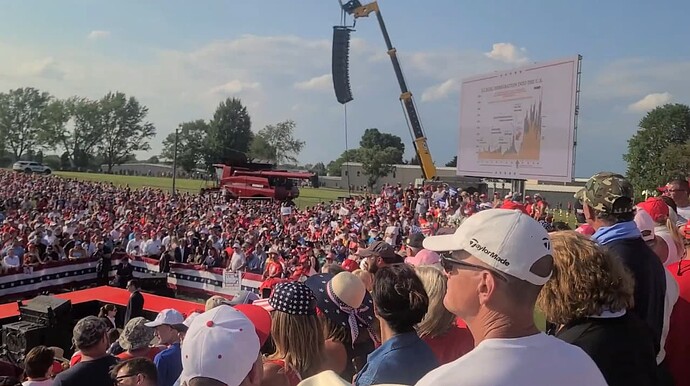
[214,301]
[124,272]
[400,303]
[135,372]
[107,313]
[297,334]
[676,347]
[588,297]
[679,190]
[38,366]
[167,325]
[665,228]
[347,314]
[416,254]
[113,339]
[136,340]
[497,262]
[135,305]
[607,201]
[366,277]
[439,328]
[378,255]
[223,348]
[90,338]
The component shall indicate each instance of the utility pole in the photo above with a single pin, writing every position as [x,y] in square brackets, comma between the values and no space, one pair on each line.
[174,191]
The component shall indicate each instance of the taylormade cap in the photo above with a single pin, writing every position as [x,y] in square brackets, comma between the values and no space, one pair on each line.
[645,223]
[221,344]
[167,316]
[507,240]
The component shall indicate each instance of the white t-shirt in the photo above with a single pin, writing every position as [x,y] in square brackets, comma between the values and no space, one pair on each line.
[534,360]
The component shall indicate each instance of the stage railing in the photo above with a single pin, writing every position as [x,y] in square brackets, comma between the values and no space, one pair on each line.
[190,278]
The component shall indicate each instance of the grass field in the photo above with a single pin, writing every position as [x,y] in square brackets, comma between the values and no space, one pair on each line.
[308,196]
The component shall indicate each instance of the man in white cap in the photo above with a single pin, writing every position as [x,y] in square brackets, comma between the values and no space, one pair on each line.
[222,348]
[168,324]
[496,263]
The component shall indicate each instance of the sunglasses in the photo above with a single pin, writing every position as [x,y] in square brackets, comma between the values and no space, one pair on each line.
[448,263]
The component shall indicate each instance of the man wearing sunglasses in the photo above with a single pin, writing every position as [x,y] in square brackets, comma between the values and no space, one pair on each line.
[496,263]
[135,372]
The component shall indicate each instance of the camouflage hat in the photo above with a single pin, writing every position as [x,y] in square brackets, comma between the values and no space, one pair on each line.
[136,335]
[88,332]
[603,189]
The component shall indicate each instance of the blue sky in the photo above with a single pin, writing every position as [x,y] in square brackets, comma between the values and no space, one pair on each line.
[181,58]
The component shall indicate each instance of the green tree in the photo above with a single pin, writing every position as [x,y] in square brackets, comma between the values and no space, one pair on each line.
[230,132]
[319,168]
[676,158]
[377,163]
[453,162]
[262,150]
[191,137]
[374,139]
[334,167]
[662,127]
[125,129]
[23,119]
[81,138]
[277,143]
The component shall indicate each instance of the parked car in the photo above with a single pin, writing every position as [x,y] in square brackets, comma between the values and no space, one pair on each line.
[31,167]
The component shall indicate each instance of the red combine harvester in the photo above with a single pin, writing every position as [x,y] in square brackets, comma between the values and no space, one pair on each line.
[246,182]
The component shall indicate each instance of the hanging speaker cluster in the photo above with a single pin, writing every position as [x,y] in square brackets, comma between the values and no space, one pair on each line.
[341,64]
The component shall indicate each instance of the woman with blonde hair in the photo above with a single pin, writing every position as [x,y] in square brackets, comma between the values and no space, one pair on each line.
[439,328]
[588,298]
[297,335]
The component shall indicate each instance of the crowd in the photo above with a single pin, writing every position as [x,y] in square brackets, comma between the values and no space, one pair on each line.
[409,287]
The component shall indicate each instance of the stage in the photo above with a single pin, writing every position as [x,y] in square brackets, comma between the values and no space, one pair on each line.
[153,304]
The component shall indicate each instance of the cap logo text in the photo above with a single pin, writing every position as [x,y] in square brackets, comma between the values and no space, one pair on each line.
[475,244]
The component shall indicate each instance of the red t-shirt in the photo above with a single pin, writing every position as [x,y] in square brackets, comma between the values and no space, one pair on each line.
[678,339]
[450,346]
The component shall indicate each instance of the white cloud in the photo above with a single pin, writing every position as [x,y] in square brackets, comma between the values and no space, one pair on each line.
[440,91]
[234,87]
[319,83]
[41,68]
[98,34]
[507,53]
[650,101]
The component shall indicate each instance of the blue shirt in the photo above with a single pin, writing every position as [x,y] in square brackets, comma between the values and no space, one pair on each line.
[403,359]
[169,365]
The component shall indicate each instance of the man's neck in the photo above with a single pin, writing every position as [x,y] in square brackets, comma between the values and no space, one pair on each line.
[386,332]
[92,356]
[490,325]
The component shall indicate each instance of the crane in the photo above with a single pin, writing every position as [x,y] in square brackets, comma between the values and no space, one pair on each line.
[357,10]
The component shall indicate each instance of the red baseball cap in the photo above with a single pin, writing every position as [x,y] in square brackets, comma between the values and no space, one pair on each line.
[259,317]
[656,207]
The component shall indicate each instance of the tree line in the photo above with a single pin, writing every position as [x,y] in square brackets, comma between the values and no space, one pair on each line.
[228,138]
[108,130]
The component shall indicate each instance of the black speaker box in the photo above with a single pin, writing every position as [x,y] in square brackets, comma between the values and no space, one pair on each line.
[46,311]
[340,64]
[20,337]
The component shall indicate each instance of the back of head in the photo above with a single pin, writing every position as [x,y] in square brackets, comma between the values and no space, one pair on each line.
[586,281]
[399,297]
[610,196]
[438,319]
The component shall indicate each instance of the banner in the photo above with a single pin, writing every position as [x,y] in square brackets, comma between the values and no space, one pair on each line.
[232,281]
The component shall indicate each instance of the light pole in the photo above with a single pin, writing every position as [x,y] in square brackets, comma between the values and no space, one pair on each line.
[174,191]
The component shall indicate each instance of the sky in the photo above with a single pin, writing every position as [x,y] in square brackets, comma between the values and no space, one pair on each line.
[181,58]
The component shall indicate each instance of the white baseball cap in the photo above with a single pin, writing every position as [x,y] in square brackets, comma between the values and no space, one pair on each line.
[645,223]
[506,240]
[188,322]
[167,316]
[221,344]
